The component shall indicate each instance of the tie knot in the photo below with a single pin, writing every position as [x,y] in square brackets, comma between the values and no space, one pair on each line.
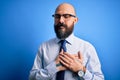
[63,42]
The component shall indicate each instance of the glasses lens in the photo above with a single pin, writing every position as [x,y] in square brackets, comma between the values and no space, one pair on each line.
[66,15]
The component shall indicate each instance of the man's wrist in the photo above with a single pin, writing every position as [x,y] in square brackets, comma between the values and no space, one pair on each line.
[81,72]
[83,69]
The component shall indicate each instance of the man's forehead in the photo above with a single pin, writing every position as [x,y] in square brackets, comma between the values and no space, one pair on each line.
[65,9]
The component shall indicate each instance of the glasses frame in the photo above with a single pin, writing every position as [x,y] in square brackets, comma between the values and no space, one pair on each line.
[66,16]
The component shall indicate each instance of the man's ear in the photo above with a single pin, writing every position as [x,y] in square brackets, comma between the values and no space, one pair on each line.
[75,20]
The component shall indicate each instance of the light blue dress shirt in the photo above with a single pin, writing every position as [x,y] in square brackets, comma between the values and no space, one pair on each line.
[44,67]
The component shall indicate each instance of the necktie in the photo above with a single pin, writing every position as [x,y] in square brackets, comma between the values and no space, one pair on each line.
[60,74]
[63,45]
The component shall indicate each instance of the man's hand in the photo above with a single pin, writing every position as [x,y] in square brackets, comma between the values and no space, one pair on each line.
[59,65]
[72,62]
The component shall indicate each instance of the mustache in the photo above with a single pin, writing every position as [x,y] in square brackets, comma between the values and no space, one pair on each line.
[60,24]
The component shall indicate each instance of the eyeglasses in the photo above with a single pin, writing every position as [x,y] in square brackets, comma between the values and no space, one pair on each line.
[66,16]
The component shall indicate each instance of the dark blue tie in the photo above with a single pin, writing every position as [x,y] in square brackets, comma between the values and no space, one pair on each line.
[63,45]
[60,74]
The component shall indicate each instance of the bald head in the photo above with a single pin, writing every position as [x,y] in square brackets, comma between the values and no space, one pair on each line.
[65,8]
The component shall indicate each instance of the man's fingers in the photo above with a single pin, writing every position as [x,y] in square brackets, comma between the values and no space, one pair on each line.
[61,52]
[66,58]
[64,62]
[80,56]
[69,55]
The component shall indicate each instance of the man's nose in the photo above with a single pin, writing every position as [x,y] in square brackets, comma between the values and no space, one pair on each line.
[61,19]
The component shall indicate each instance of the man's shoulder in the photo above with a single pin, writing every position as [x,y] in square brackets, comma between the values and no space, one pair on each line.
[50,41]
[83,42]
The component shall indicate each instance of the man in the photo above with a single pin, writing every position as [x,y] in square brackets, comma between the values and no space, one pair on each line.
[77,59]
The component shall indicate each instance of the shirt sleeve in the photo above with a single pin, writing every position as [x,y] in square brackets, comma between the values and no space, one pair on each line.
[93,66]
[39,72]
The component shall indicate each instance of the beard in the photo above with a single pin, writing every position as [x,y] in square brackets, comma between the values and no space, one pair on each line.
[63,34]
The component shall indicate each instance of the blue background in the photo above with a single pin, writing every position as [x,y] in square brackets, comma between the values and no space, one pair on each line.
[25,24]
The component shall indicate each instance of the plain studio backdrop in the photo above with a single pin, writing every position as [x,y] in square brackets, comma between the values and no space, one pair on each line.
[25,24]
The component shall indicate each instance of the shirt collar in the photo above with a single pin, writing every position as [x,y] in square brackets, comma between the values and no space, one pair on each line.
[68,39]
